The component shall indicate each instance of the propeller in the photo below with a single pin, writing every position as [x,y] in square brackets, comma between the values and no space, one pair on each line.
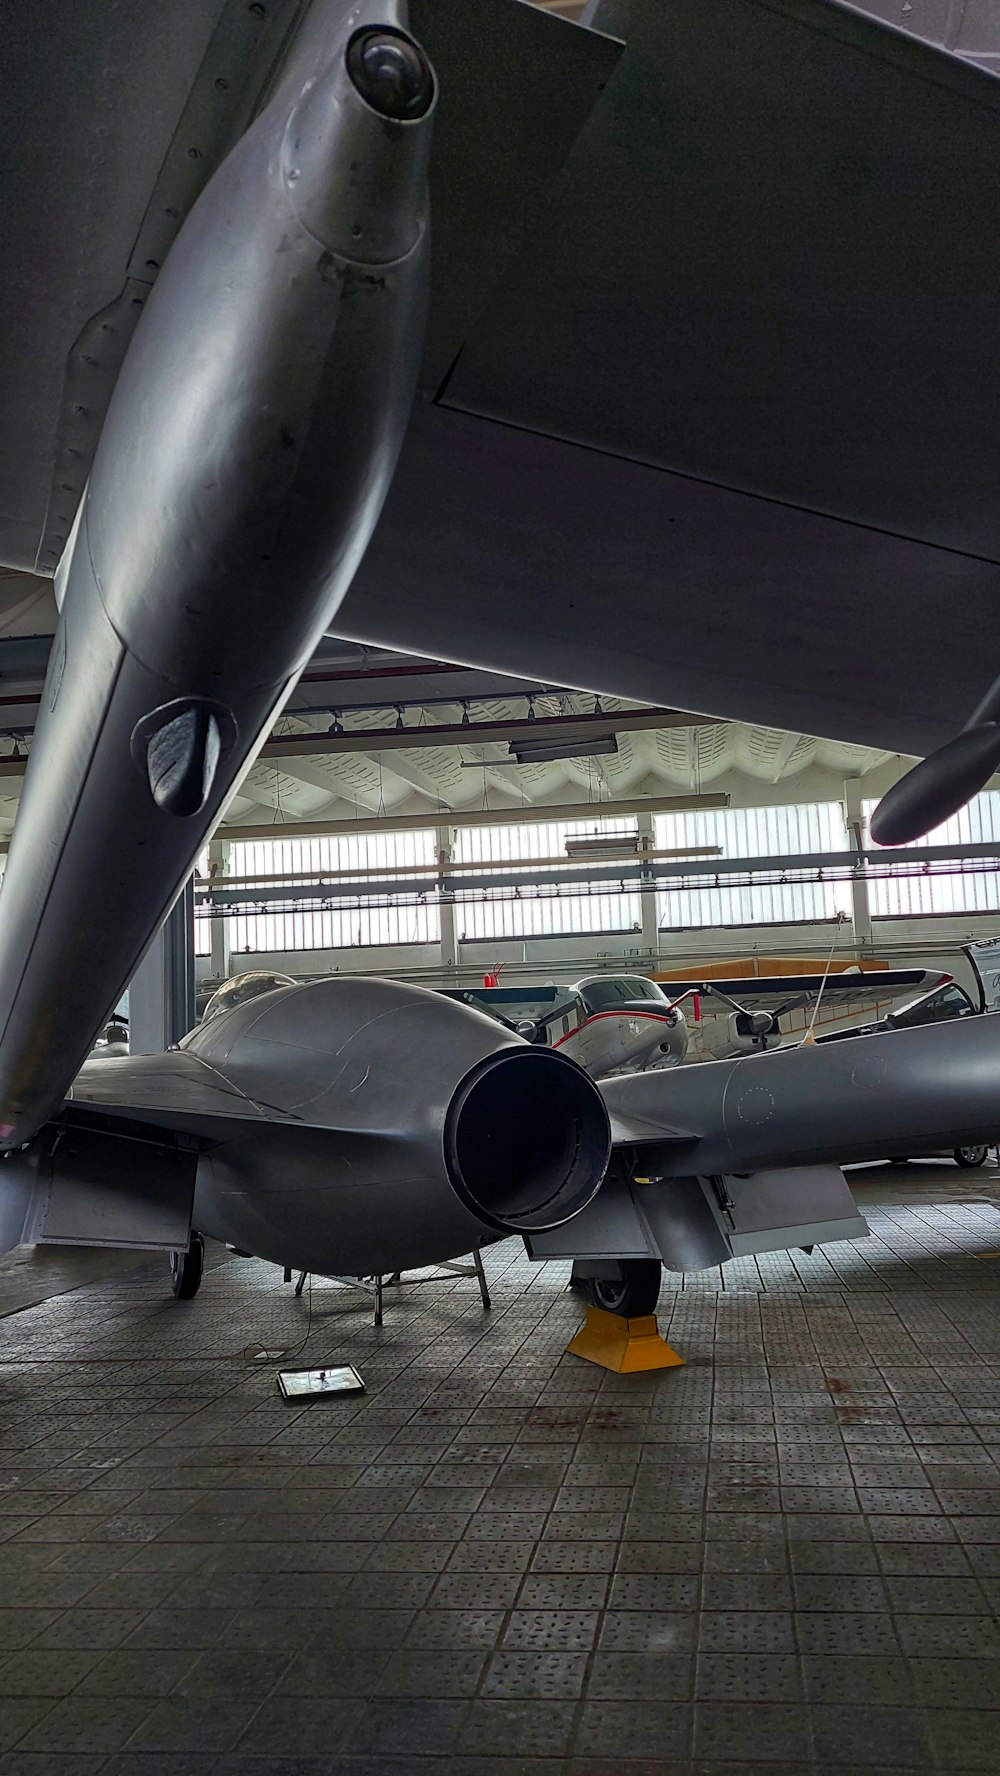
[760,1024]
[943,782]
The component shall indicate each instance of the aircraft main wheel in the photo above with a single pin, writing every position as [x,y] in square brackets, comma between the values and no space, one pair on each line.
[970,1156]
[634,1293]
[187,1268]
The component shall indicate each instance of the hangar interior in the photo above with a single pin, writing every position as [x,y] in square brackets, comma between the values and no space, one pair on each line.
[677,1440]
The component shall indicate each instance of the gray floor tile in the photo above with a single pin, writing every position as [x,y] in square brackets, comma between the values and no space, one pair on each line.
[857,1737]
[765,1732]
[963,1739]
[956,1683]
[641,1676]
[950,1637]
[840,1592]
[240,1672]
[746,1591]
[455,1628]
[499,1563]
[330,1672]
[859,1678]
[648,1631]
[441,1673]
[18,1715]
[747,1631]
[88,1724]
[198,1724]
[301,1726]
[749,1677]
[547,1674]
[570,1630]
[46,1673]
[627,1730]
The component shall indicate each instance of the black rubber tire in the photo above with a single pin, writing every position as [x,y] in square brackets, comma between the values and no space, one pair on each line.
[969,1157]
[637,1293]
[187,1269]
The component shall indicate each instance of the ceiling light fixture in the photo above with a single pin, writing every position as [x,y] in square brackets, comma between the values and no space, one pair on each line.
[595,846]
[540,752]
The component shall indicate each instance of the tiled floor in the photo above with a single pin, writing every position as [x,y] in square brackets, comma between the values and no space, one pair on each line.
[783,1557]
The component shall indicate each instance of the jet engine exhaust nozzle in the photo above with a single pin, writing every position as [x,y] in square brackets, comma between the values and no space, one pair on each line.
[527,1140]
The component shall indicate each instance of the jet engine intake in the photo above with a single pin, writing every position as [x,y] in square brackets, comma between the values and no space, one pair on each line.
[525,1140]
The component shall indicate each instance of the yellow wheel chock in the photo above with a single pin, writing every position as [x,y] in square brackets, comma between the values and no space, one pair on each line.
[626,1346]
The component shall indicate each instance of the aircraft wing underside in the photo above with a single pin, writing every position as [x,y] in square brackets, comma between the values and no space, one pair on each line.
[708,401]
[692,449]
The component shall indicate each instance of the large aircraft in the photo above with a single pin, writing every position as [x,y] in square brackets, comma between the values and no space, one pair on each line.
[709,288]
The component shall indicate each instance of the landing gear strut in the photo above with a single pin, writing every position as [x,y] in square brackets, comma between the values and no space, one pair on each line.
[187,1268]
[633,1292]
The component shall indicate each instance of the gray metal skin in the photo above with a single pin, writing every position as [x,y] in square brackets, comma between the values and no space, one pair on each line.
[702,311]
[241,468]
[812,1105]
[348,1124]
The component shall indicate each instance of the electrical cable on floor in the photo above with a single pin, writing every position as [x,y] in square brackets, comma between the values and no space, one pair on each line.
[260,1353]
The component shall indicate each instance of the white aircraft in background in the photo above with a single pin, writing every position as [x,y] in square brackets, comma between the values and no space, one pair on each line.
[608,1023]
[627,1023]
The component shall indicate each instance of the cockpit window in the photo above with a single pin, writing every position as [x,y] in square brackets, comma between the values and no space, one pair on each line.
[606,995]
[640,988]
[603,995]
[935,1008]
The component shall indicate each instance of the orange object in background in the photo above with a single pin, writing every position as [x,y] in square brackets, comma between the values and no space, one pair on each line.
[763,967]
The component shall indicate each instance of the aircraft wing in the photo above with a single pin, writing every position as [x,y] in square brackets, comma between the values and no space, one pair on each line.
[175,1091]
[690,449]
[702,312]
[845,998]
[105,148]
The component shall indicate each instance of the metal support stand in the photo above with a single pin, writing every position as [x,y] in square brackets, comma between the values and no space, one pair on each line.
[375,1285]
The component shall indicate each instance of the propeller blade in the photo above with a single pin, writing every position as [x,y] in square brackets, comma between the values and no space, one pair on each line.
[938,786]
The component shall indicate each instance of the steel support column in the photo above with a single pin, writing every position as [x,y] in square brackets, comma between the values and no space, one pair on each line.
[162,992]
[854,821]
[449,942]
[646,828]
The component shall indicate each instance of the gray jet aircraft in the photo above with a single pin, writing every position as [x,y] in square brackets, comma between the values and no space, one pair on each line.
[707,294]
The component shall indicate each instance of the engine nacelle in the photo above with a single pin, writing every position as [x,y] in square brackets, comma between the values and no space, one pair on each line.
[424,1127]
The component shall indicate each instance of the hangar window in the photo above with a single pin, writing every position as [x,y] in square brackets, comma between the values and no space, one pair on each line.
[800,829]
[337,918]
[967,885]
[573,908]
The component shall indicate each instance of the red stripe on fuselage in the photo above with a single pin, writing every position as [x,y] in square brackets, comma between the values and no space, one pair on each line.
[652,1017]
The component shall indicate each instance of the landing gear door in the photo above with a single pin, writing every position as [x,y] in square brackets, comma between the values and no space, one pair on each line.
[772,1211]
[91,1188]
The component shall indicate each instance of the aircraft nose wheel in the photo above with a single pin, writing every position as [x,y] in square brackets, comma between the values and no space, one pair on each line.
[187,1269]
[634,1293]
